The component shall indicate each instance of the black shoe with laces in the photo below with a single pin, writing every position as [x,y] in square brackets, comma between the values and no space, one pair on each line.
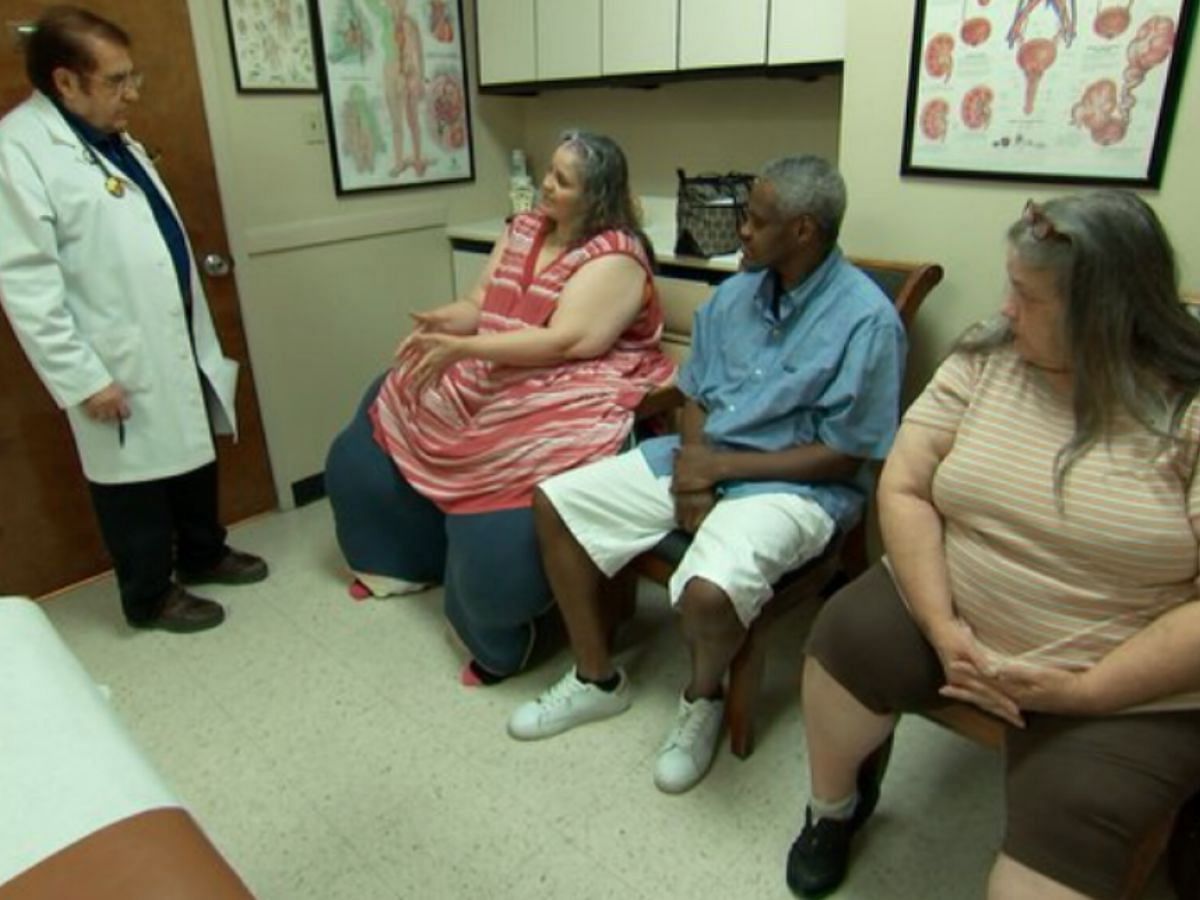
[820,855]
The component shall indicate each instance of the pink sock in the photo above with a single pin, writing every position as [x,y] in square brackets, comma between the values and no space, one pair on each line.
[359,591]
[468,678]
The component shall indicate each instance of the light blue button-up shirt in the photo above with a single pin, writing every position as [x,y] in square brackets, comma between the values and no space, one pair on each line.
[827,369]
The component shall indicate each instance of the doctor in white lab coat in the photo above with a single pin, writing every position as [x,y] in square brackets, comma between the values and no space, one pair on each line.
[101,289]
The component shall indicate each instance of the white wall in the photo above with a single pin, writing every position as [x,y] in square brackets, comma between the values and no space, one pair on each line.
[699,125]
[961,224]
[326,283]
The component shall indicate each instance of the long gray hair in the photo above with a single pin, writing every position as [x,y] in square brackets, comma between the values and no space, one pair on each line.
[1133,347]
[608,202]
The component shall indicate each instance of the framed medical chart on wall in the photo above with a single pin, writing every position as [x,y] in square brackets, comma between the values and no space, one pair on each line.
[271,41]
[1074,91]
[394,77]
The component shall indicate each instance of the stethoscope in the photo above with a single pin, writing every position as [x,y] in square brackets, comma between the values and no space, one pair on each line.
[113,183]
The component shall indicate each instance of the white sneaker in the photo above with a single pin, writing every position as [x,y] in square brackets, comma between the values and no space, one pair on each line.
[568,703]
[689,749]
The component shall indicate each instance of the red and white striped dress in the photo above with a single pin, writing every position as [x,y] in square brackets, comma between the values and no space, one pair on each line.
[486,434]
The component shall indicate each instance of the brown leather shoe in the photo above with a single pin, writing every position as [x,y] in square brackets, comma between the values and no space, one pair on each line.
[184,613]
[234,567]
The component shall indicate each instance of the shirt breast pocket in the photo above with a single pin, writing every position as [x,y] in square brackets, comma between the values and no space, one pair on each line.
[123,352]
[802,382]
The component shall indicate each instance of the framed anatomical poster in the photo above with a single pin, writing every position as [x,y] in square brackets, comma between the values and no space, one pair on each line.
[272,46]
[394,77]
[1075,91]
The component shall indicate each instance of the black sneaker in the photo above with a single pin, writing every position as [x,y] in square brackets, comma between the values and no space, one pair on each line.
[820,856]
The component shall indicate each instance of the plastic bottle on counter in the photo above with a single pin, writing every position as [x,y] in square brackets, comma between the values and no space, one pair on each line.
[520,185]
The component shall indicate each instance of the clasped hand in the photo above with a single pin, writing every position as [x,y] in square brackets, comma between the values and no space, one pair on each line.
[697,468]
[692,485]
[1005,690]
[428,350]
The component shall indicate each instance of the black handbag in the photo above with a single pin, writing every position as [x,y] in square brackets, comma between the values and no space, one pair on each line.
[708,210]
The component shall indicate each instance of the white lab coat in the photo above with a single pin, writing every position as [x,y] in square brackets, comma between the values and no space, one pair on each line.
[88,284]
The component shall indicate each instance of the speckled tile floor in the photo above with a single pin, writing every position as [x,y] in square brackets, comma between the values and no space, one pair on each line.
[329,751]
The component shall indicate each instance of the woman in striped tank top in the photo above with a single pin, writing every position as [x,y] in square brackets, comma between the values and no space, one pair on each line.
[1041,514]
[537,370]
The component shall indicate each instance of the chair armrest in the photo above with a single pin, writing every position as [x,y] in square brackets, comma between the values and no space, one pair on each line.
[658,401]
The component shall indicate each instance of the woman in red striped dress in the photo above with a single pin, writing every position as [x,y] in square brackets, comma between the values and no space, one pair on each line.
[537,370]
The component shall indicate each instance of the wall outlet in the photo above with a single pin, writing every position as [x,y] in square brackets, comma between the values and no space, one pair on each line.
[313,128]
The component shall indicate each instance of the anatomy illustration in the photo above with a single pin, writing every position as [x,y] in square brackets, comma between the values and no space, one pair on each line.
[976,107]
[975,31]
[362,138]
[1035,56]
[441,24]
[1110,23]
[403,82]
[448,110]
[1064,10]
[939,56]
[351,35]
[1106,111]
[273,41]
[934,117]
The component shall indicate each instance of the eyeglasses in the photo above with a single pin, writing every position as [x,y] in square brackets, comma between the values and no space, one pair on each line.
[120,82]
[1039,223]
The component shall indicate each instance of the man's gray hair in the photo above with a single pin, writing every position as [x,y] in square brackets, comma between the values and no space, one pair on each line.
[808,185]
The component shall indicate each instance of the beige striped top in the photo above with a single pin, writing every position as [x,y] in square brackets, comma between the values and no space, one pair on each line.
[1050,586]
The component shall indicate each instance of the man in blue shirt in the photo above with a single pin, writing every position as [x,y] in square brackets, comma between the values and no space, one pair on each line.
[792,385]
[101,289]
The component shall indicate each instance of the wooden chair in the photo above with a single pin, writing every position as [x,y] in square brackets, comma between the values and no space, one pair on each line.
[908,284]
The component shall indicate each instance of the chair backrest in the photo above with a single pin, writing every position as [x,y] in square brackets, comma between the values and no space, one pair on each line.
[906,284]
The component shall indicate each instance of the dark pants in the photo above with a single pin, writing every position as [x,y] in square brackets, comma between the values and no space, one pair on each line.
[489,562]
[150,527]
[1081,792]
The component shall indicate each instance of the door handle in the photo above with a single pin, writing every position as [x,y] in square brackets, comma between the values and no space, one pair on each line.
[216,265]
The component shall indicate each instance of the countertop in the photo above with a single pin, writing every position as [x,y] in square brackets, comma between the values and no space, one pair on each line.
[659,216]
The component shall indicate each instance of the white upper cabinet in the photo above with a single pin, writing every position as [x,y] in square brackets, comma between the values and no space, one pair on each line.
[529,41]
[568,39]
[714,33]
[507,52]
[640,36]
[806,31]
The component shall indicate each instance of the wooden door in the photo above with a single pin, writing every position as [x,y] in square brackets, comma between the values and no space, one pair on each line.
[48,535]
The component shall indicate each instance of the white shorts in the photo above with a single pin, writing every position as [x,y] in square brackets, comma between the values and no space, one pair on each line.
[617,508]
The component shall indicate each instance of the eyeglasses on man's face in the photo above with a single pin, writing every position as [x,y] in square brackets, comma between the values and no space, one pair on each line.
[119,82]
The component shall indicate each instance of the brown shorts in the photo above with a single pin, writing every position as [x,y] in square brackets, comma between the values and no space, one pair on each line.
[1080,793]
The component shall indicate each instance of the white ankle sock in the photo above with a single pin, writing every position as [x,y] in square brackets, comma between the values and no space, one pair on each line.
[838,810]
